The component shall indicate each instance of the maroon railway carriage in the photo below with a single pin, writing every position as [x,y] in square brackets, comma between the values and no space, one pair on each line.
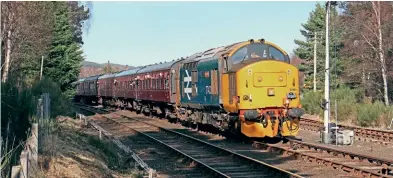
[154,83]
[125,85]
[90,89]
[79,87]
[145,88]
[105,87]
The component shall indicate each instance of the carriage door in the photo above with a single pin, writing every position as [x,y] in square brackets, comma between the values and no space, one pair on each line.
[176,84]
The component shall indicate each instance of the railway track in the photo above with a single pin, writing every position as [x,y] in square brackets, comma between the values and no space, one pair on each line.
[363,134]
[217,161]
[353,163]
[357,165]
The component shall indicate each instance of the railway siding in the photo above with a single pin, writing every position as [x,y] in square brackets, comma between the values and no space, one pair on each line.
[354,164]
[363,134]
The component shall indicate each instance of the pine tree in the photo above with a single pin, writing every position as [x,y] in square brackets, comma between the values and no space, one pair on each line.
[65,54]
[305,51]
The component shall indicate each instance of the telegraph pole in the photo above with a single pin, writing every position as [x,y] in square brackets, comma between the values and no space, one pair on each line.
[315,35]
[315,61]
[326,113]
[1,73]
[42,66]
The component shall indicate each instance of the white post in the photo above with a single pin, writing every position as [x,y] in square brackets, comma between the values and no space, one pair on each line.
[335,115]
[100,135]
[1,73]
[24,157]
[15,171]
[42,65]
[34,132]
[315,61]
[150,173]
[327,92]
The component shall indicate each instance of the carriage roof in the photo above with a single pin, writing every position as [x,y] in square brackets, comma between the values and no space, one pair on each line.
[91,78]
[107,76]
[128,72]
[157,67]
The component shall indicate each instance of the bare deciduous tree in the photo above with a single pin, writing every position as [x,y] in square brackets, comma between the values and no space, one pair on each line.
[367,26]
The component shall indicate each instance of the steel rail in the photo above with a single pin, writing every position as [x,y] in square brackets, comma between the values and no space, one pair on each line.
[364,134]
[123,147]
[222,149]
[306,155]
[267,167]
[380,161]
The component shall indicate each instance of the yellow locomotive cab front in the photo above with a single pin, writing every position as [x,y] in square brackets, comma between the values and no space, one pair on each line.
[264,90]
[266,84]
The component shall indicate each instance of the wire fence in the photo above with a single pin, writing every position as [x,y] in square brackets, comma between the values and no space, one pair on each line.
[40,127]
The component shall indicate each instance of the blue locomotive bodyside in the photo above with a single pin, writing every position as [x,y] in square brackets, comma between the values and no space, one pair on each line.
[199,84]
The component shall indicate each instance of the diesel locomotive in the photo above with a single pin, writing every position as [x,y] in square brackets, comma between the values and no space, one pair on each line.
[247,88]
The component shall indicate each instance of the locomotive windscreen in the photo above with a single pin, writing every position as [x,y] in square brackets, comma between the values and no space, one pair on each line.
[258,50]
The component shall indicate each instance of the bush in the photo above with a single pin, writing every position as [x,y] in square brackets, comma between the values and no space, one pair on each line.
[375,114]
[60,104]
[16,109]
[351,107]
[18,106]
[311,102]
[347,100]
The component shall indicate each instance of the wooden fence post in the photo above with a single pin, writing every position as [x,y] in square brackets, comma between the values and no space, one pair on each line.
[15,172]
[34,142]
[24,157]
[150,173]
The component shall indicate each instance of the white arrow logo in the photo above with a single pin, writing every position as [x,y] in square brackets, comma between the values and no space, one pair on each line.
[187,89]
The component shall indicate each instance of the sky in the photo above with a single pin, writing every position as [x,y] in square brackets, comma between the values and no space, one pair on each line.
[142,33]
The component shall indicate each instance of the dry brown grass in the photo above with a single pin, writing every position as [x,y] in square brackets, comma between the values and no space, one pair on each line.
[73,150]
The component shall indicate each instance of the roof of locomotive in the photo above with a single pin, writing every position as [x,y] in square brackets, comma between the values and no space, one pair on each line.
[157,67]
[210,53]
[215,52]
[128,72]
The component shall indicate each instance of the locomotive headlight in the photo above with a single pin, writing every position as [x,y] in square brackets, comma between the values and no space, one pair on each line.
[280,78]
[291,95]
[259,79]
[245,97]
[270,92]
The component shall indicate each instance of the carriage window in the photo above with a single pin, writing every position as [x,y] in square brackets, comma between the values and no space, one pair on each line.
[166,84]
[148,84]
